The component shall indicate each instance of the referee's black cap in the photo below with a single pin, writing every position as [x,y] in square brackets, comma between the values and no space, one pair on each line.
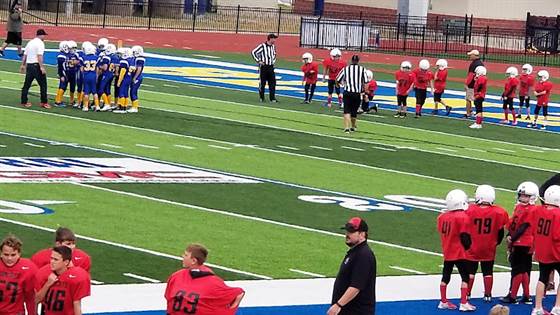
[355,59]
[41,32]
[272,35]
[356,224]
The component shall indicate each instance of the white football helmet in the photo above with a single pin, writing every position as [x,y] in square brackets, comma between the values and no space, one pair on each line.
[480,71]
[527,68]
[72,45]
[126,53]
[512,72]
[456,200]
[102,43]
[64,47]
[89,49]
[485,194]
[406,65]
[110,49]
[307,57]
[552,195]
[84,44]
[335,52]
[441,64]
[137,51]
[369,75]
[543,74]
[530,189]
[424,64]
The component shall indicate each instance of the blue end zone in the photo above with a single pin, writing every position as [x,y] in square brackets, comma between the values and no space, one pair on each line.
[423,307]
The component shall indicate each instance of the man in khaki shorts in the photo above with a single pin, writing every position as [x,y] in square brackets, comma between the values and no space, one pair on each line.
[474,56]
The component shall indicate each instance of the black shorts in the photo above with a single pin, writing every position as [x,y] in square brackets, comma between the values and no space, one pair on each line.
[544,110]
[524,100]
[401,100]
[14,38]
[508,103]
[545,269]
[463,266]
[420,96]
[520,260]
[487,267]
[478,104]
[352,102]
[437,97]
[333,87]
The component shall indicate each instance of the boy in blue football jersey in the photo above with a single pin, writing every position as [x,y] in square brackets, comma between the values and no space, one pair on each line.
[139,61]
[89,69]
[106,69]
[73,69]
[62,63]
[80,75]
[126,69]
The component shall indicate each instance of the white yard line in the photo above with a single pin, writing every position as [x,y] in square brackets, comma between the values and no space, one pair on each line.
[96,282]
[533,150]
[33,145]
[2,145]
[385,149]
[208,56]
[307,273]
[219,147]
[475,150]
[352,148]
[446,149]
[146,146]
[183,146]
[170,85]
[131,275]
[110,145]
[503,150]
[407,270]
[320,148]
[287,147]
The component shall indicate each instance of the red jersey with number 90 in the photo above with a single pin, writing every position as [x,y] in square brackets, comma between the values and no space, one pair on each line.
[72,285]
[17,285]
[546,226]
[200,292]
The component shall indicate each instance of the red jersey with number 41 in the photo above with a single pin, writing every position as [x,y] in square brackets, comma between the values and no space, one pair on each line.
[440,80]
[72,285]
[79,258]
[485,223]
[450,226]
[523,214]
[546,223]
[199,292]
[546,87]
[17,285]
[404,81]
[526,81]
[310,72]
[422,78]
[333,67]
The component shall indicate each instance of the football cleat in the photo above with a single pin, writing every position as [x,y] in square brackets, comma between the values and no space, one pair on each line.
[85,109]
[447,306]
[475,126]
[487,298]
[528,117]
[503,121]
[509,300]
[106,108]
[518,116]
[397,115]
[539,312]
[45,105]
[514,123]
[448,110]
[132,110]
[347,130]
[555,311]
[353,129]
[526,300]
[543,127]
[27,105]
[467,307]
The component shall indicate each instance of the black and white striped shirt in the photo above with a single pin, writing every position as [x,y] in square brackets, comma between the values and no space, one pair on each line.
[265,53]
[354,78]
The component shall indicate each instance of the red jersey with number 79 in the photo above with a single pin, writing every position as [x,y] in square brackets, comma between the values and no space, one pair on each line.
[200,292]
[546,223]
[485,223]
[72,285]
[17,285]
[450,226]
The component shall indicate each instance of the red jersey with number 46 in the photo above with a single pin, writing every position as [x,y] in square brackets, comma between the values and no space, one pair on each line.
[523,214]
[545,86]
[79,258]
[510,87]
[310,72]
[440,80]
[72,285]
[422,78]
[450,226]
[480,87]
[485,223]
[526,81]
[546,223]
[17,285]
[333,67]
[200,292]
[404,81]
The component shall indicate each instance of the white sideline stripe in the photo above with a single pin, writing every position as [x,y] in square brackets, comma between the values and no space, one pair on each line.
[146,146]
[236,144]
[138,249]
[407,270]
[110,145]
[183,146]
[446,149]
[504,150]
[352,148]
[251,218]
[219,147]
[384,149]
[147,85]
[533,150]
[194,86]
[131,275]
[307,273]
[96,282]
[170,85]
[2,145]
[34,145]
[320,148]
[475,150]
[287,147]
[208,56]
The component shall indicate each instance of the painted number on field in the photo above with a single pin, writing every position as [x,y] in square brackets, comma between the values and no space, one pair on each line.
[354,203]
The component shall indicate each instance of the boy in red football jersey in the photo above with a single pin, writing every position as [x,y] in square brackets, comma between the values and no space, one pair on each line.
[487,222]
[332,66]
[17,279]
[440,80]
[310,71]
[526,85]
[509,93]
[520,242]
[479,90]
[404,79]
[60,287]
[197,289]
[63,237]
[423,78]
[453,227]
[542,92]
[369,93]
[546,222]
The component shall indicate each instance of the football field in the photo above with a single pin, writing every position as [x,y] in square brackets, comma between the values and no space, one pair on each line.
[266,187]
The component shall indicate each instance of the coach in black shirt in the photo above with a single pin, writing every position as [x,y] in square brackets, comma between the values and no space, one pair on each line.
[354,287]
[474,56]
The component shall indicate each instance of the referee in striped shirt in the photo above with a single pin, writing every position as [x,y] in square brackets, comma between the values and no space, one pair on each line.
[353,78]
[265,56]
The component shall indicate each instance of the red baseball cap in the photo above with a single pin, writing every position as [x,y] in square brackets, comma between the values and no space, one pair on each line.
[356,224]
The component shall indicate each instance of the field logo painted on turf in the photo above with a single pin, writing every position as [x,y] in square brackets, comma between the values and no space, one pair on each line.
[105,170]
[392,202]
[29,206]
